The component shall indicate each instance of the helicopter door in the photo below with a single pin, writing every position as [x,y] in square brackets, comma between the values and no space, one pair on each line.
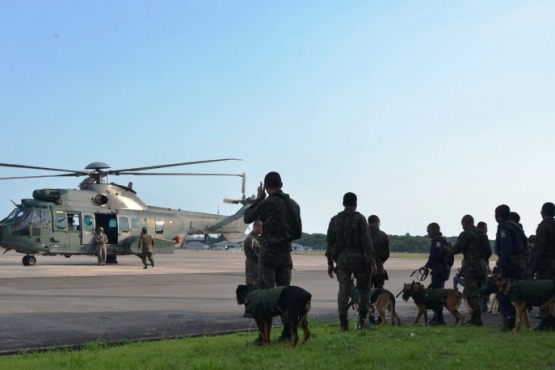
[67,231]
[87,230]
[110,224]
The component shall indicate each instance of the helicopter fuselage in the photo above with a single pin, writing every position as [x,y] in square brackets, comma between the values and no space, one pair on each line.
[63,222]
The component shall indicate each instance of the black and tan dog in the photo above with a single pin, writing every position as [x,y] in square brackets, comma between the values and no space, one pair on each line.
[524,294]
[292,302]
[380,301]
[426,299]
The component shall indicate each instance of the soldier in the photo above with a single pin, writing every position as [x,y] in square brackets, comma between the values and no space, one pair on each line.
[281,217]
[510,252]
[251,247]
[440,262]
[100,241]
[542,258]
[350,247]
[473,243]
[145,247]
[380,242]
[484,298]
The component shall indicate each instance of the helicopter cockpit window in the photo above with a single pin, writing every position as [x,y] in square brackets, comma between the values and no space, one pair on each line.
[21,221]
[40,216]
[11,215]
[61,221]
[159,227]
[88,223]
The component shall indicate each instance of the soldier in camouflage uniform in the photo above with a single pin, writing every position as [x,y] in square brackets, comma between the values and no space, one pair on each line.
[281,217]
[542,258]
[350,247]
[380,242]
[510,252]
[473,243]
[145,247]
[251,247]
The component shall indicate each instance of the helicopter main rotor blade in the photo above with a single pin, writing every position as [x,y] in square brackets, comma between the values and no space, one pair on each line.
[121,172]
[36,177]
[181,174]
[40,168]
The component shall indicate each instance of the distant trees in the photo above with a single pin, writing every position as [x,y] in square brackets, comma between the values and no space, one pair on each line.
[397,243]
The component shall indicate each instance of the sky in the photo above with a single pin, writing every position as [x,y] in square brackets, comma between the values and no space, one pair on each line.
[426,110]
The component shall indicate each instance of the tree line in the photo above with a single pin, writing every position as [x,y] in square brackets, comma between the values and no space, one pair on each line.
[397,243]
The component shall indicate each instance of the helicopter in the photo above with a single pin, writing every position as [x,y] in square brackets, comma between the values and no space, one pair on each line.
[64,221]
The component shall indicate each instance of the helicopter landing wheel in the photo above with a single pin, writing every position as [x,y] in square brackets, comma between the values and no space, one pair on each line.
[29,260]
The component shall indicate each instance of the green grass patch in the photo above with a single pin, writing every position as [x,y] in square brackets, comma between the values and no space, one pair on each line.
[405,347]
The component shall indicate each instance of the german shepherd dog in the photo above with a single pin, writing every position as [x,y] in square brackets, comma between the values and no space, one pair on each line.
[432,299]
[524,294]
[292,302]
[380,301]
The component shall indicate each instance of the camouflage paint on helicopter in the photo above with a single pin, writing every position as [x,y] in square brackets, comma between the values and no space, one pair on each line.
[63,221]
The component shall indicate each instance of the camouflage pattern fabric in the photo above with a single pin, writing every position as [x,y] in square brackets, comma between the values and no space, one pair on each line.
[542,259]
[263,302]
[251,248]
[277,212]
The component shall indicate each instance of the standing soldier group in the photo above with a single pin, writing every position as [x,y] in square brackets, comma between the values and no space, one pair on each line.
[357,250]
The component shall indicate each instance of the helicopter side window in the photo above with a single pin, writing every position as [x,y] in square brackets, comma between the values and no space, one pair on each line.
[61,221]
[73,222]
[159,226]
[88,223]
[135,223]
[124,224]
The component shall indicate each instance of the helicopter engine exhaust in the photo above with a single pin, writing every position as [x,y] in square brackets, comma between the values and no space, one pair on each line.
[101,199]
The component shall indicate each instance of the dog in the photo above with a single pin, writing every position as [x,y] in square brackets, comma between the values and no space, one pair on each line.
[292,302]
[524,294]
[494,306]
[432,299]
[380,301]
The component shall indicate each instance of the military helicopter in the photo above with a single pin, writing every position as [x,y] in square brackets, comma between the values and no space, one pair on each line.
[63,221]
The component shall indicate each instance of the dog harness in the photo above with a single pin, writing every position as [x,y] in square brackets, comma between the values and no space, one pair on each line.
[533,292]
[264,302]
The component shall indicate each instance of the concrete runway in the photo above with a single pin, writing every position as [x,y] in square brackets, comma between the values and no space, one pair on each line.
[71,301]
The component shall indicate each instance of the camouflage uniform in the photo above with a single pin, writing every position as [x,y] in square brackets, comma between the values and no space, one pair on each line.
[350,247]
[145,249]
[510,252]
[474,245]
[281,217]
[100,241]
[251,247]
[274,262]
[380,242]
[542,262]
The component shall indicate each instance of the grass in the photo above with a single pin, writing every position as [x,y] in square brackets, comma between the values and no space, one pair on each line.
[405,347]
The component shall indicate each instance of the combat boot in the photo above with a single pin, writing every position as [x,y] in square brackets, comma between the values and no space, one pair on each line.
[361,323]
[508,324]
[343,323]
[475,320]
[438,318]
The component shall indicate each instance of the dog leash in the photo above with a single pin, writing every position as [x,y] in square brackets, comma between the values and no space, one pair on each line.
[421,274]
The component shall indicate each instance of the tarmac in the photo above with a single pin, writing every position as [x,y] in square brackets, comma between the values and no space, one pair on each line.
[67,302]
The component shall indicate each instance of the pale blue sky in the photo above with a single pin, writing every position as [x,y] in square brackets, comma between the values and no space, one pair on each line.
[427,110]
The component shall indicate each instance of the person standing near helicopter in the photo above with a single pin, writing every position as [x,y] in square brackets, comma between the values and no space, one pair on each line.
[281,217]
[100,241]
[145,247]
